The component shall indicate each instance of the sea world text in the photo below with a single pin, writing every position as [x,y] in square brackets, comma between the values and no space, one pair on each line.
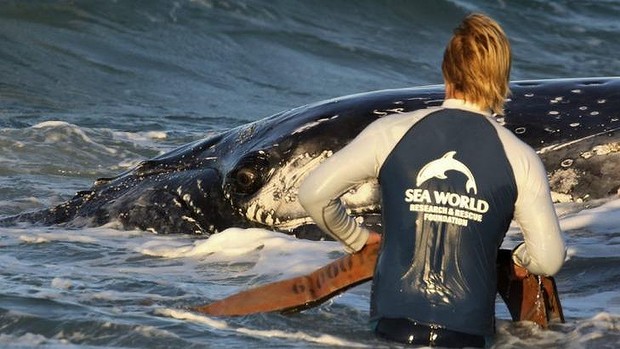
[445,206]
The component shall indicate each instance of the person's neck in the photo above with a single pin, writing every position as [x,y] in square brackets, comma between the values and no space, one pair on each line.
[452,93]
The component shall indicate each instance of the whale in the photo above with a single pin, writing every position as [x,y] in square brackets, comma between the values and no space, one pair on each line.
[249,176]
[438,168]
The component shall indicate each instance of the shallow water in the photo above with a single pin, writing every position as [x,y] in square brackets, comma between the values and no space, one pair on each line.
[102,286]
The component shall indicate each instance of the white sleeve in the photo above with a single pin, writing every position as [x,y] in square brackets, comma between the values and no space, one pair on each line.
[353,165]
[544,251]
[320,192]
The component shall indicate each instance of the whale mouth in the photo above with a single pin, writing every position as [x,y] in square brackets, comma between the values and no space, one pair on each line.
[304,228]
[275,206]
[296,221]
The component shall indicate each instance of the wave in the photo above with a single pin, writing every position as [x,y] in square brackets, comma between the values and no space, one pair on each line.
[62,148]
[143,60]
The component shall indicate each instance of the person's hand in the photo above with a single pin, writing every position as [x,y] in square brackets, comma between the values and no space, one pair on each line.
[373,238]
[518,270]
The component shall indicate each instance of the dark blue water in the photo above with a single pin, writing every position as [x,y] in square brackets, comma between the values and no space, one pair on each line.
[90,88]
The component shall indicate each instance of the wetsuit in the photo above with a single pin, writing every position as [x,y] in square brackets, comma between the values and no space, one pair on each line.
[451,181]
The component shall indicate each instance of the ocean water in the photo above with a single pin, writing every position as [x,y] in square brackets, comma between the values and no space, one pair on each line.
[89,89]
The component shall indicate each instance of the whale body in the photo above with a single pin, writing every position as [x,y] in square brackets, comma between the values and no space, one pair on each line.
[249,176]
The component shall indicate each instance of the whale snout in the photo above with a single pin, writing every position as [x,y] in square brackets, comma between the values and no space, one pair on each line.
[187,202]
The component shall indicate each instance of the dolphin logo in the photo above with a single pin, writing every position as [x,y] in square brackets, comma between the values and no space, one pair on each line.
[438,168]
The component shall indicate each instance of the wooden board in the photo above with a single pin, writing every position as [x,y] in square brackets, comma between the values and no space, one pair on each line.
[531,298]
[301,292]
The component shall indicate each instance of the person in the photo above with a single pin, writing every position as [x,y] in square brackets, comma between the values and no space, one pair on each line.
[451,180]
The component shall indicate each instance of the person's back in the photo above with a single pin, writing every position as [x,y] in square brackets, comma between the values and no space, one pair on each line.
[448,195]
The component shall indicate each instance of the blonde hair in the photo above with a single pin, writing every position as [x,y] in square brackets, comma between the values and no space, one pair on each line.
[477,62]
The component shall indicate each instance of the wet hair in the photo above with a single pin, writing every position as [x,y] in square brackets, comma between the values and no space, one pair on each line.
[477,62]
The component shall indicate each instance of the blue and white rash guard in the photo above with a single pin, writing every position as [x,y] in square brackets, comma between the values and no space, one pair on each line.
[451,181]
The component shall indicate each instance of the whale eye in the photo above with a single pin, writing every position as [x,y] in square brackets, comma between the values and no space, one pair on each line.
[246,179]
[249,175]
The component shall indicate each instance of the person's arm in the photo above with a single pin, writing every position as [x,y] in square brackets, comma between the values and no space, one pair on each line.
[543,251]
[320,192]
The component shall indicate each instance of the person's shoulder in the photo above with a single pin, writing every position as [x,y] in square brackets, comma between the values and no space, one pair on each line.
[510,140]
[524,160]
[410,117]
[386,131]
